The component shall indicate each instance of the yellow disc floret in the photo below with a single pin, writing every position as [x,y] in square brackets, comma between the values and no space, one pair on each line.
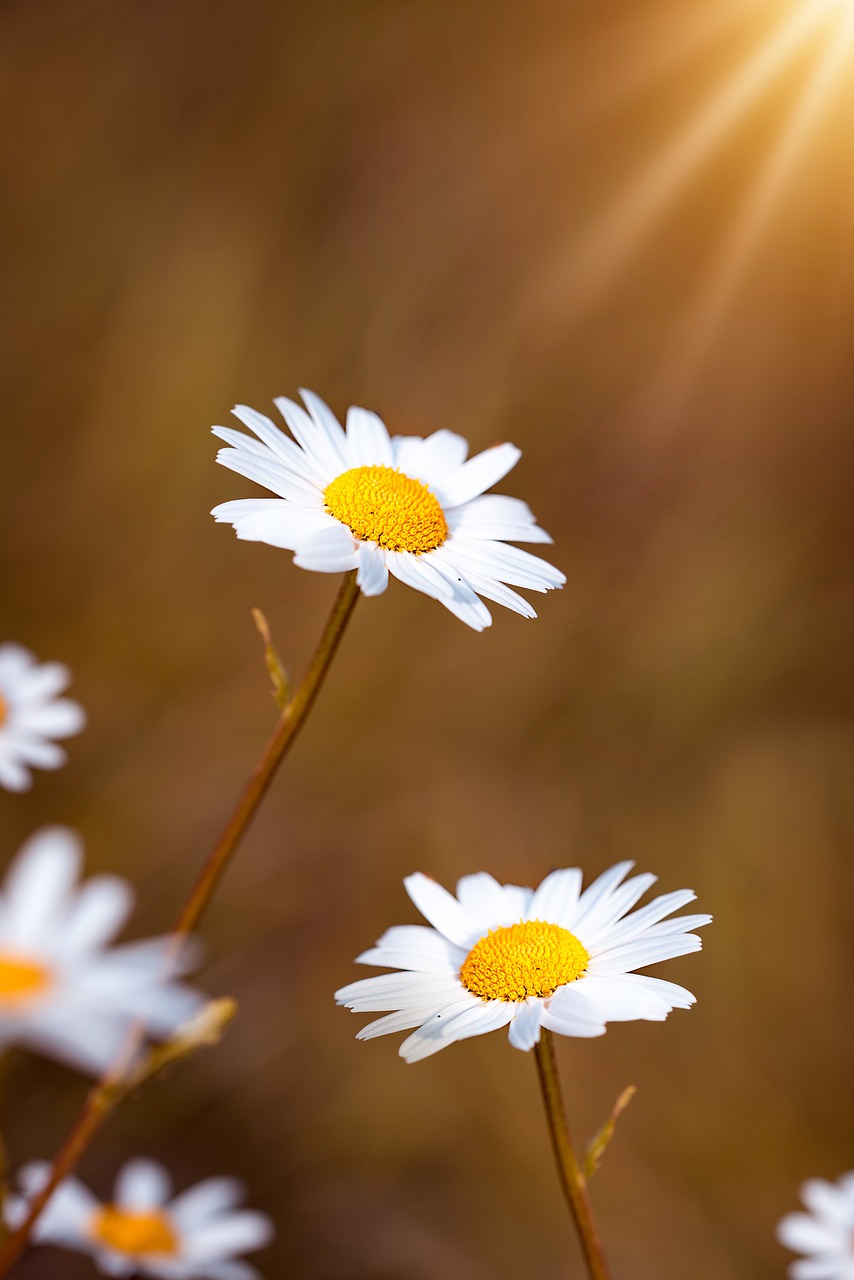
[136,1234]
[4,710]
[21,980]
[520,960]
[380,504]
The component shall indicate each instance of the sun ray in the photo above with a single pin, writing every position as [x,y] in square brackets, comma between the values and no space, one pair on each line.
[600,254]
[730,266]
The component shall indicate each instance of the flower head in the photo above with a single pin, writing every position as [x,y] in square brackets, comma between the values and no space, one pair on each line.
[499,955]
[63,992]
[357,498]
[31,715]
[142,1230]
[825,1234]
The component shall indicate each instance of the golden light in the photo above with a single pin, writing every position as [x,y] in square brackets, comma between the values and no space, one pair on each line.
[800,54]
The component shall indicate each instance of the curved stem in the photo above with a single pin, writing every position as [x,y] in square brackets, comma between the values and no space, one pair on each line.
[572,1179]
[109,1091]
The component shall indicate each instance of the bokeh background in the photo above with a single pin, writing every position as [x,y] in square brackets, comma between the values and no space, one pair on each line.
[621,235]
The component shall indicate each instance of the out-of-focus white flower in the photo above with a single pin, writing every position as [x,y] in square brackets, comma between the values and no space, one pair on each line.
[142,1230]
[825,1234]
[31,715]
[63,991]
[413,507]
[500,955]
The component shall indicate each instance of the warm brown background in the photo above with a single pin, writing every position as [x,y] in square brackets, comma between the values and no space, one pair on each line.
[457,215]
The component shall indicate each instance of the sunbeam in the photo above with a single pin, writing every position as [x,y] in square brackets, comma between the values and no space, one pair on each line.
[600,253]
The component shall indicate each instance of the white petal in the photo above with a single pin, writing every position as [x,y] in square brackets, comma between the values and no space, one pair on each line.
[801,1232]
[572,1019]
[372,576]
[312,435]
[835,1268]
[486,902]
[556,899]
[402,1020]
[640,921]
[39,883]
[56,719]
[620,999]
[398,991]
[417,572]
[100,909]
[479,474]
[368,442]
[13,775]
[502,562]
[645,951]
[433,460]
[43,682]
[142,1184]
[279,523]
[205,1200]
[496,517]
[602,887]
[442,910]
[283,449]
[828,1201]
[328,423]
[462,601]
[422,948]
[525,1027]
[596,921]
[460,1021]
[233,1233]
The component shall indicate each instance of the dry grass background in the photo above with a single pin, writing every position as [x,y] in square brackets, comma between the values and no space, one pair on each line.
[212,202]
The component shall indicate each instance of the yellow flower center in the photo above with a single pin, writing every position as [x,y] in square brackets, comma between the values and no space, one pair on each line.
[21,980]
[379,504]
[520,960]
[134,1233]
[4,710]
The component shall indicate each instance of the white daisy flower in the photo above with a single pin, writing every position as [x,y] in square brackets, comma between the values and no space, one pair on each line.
[361,499]
[31,715]
[143,1231]
[62,991]
[499,955]
[825,1234]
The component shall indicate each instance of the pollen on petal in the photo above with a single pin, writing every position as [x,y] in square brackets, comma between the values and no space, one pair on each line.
[531,958]
[380,504]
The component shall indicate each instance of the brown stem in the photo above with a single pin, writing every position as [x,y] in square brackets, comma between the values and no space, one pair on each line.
[572,1179]
[106,1094]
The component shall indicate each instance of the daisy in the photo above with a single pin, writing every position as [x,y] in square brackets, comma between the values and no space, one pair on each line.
[825,1234]
[142,1230]
[499,955]
[31,715]
[62,991]
[361,499]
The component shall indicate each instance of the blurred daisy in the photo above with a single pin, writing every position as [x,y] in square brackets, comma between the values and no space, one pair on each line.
[31,715]
[498,955]
[62,992]
[413,507]
[142,1231]
[825,1234]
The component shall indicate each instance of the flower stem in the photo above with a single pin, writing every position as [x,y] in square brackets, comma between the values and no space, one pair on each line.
[109,1091]
[572,1179]
[292,719]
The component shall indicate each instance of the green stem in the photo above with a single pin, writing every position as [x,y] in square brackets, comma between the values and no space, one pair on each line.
[107,1093]
[572,1179]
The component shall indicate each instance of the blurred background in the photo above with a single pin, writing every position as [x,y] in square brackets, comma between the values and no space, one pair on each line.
[621,236]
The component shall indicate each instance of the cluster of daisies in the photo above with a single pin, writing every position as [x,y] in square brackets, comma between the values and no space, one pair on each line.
[561,958]
[67,992]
